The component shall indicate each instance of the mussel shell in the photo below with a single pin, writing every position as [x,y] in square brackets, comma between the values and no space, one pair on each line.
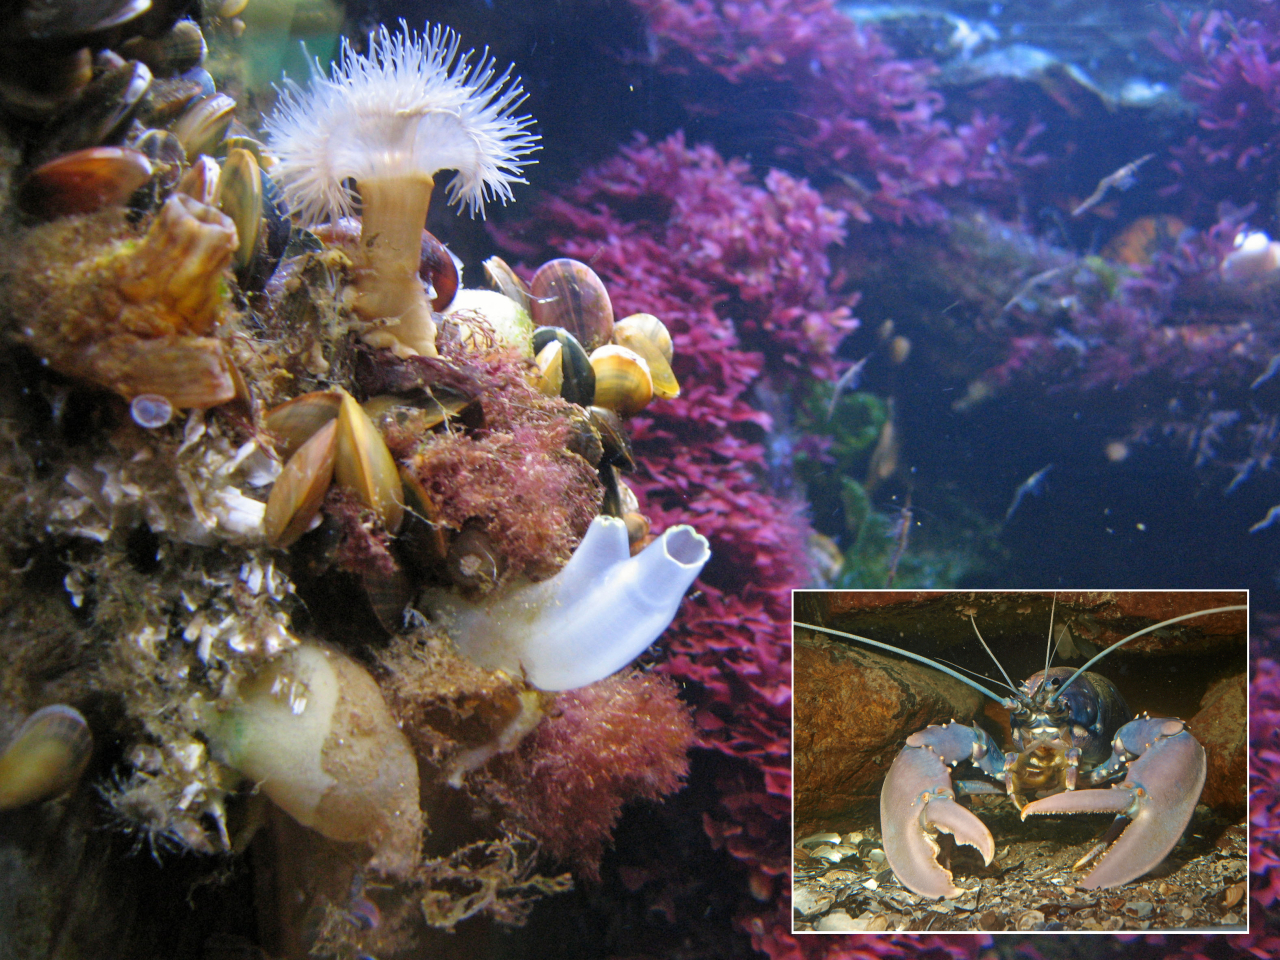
[204,124]
[567,293]
[201,180]
[423,541]
[100,115]
[46,757]
[73,21]
[550,361]
[299,490]
[36,86]
[389,594]
[240,198]
[243,142]
[611,505]
[578,379]
[84,181]
[415,415]
[503,279]
[273,239]
[181,49]
[296,421]
[584,439]
[170,98]
[365,466]
[165,152]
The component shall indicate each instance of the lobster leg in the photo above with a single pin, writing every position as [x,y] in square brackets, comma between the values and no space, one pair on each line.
[1159,794]
[918,801]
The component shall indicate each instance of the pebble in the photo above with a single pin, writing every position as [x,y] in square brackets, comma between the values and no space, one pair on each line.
[839,922]
[809,902]
[817,838]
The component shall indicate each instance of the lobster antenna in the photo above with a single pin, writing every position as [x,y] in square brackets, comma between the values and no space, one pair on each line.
[906,653]
[1150,629]
[999,665]
[972,673]
[1049,645]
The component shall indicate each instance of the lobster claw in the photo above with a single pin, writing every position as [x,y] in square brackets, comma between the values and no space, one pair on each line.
[918,801]
[1158,795]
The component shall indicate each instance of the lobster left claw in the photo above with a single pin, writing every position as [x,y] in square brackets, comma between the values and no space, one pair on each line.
[918,801]
[1158,795]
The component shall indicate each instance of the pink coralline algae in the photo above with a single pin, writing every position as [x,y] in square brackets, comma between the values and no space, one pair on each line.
[1232,78]
[855,109]
[736,269]
[1121,324]
[1264,799]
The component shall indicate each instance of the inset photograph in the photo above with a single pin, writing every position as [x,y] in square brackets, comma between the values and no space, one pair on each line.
[1020,761]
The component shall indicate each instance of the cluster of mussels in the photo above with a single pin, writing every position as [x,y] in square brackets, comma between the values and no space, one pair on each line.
[241,497]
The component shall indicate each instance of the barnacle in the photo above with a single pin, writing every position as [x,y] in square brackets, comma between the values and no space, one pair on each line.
[132,314]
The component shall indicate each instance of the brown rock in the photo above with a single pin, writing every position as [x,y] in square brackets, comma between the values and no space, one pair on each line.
[1222,727]
[853,710]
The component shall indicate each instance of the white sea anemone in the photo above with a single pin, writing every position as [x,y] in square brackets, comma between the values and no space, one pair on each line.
[390,121]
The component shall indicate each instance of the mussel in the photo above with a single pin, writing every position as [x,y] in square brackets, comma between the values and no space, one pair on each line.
[46,757]
[566,368]
[84,181]
[100,115]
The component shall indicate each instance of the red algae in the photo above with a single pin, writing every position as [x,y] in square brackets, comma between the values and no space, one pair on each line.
[623,738]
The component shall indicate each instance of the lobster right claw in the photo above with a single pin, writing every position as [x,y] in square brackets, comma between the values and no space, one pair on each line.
[1158,795]
[918,801]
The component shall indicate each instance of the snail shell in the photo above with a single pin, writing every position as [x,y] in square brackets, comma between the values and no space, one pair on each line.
[46,758]
[473,562]
[623,381]
[568,294]
[648,336]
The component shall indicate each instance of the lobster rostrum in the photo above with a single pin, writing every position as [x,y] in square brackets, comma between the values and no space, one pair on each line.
[1073,735]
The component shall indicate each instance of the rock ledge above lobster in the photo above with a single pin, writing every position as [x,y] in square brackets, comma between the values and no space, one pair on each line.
[1076,746]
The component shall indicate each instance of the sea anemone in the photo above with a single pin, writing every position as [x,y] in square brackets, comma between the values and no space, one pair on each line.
[389,122]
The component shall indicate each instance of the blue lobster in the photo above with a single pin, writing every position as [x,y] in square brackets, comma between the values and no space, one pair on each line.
[1071,728]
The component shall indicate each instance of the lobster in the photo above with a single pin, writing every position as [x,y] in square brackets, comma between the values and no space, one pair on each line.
[1072,735]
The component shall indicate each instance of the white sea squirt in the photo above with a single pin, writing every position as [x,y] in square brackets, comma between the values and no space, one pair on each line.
[600,612]
[311,727]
